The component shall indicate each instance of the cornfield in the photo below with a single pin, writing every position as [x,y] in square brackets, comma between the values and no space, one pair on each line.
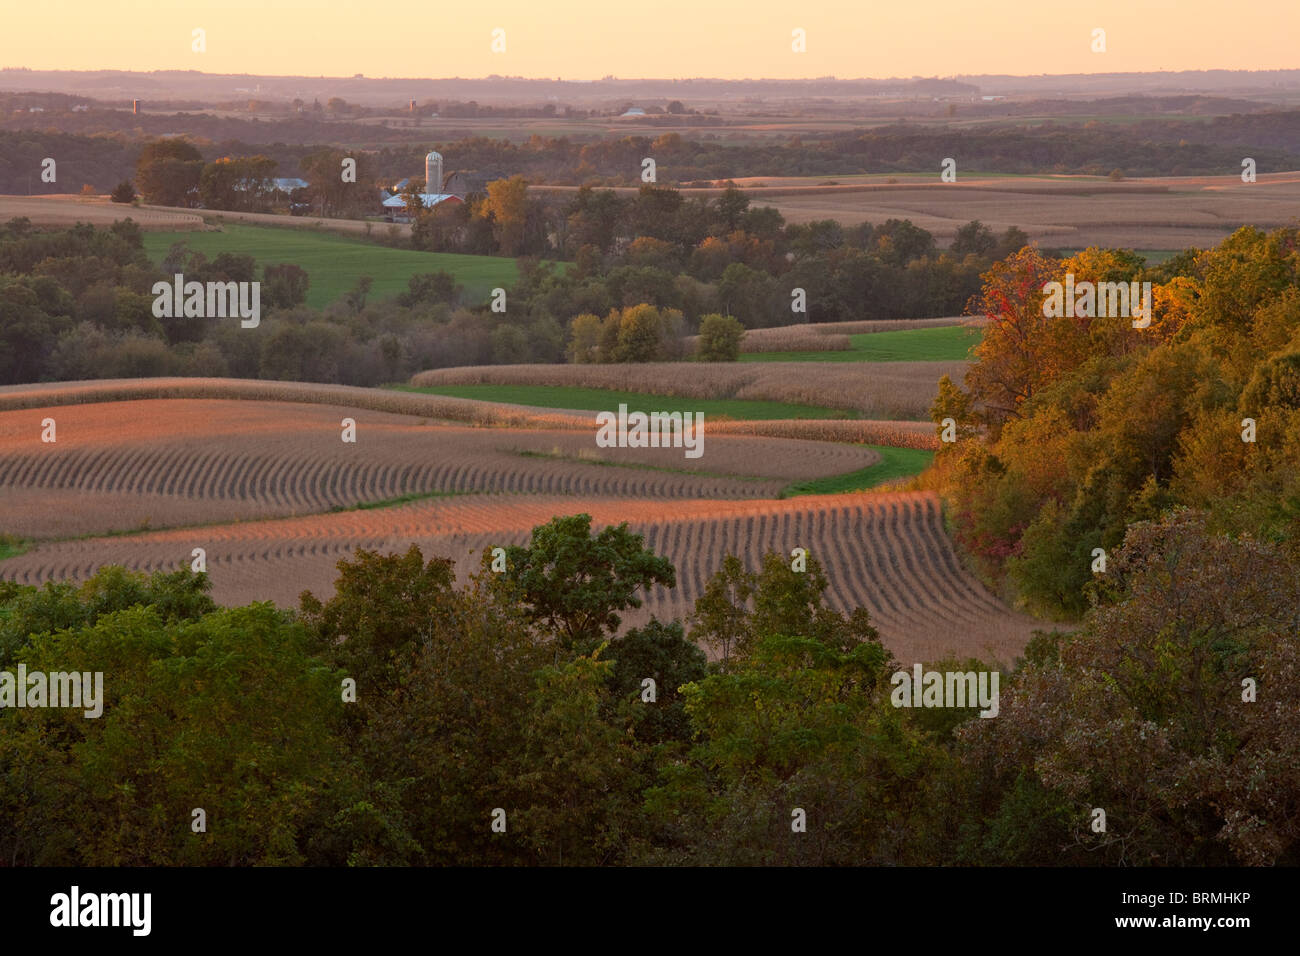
[880,390]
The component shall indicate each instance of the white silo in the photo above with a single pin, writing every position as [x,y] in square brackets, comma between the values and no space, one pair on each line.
[433,173]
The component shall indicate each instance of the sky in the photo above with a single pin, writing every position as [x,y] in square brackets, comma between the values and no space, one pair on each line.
[589,39]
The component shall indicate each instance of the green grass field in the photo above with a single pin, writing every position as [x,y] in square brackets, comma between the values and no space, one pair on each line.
[945,344]
[335,263]
[894,463]
[607,400]
[11,547]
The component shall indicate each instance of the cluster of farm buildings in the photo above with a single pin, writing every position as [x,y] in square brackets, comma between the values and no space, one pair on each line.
[438,190]
[453,188]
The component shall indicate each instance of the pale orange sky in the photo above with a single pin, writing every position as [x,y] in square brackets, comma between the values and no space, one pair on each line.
[587,39]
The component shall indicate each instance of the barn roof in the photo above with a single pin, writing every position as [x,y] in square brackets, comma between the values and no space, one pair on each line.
[429,200]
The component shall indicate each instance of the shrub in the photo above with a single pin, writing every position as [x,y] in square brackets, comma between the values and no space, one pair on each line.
[719,340]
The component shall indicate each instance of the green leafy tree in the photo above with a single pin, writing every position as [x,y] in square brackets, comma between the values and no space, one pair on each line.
[974,238]
[444,691]
[660,652]
[783,600]
[285,286]
[577,783]
[430,288]
[384,606]
[168,172]
[573,582]
[228,713]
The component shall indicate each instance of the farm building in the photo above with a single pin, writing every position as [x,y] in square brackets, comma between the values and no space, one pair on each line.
[466,182]
[458,186]
[394,207]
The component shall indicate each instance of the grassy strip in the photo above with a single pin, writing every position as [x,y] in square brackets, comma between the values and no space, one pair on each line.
[394,502]
[608,400]
[11,546]
[895,463]
[943,344]
[578,459]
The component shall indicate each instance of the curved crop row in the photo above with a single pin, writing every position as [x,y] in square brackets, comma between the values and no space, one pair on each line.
[884,552]
[118,466]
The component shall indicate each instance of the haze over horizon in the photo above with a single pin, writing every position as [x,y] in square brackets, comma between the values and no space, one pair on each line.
[674,39]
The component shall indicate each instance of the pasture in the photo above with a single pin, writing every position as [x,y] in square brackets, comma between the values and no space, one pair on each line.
[895,465]
[335,263]
[943,344]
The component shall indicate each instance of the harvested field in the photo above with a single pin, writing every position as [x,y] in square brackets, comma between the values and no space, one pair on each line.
[800,341]
[1165,213]
[906,434]
[1058,211]
[880,390]
[51,394]
[98,211]
[166,463]
[794,338]
[885,552]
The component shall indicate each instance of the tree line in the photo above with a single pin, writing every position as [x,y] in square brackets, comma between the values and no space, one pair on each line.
[1071,429]
[510,720]
[1150,147]
[78,303]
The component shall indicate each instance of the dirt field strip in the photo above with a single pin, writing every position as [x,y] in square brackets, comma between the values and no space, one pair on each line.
[906,434]
[885,552]
[98,211]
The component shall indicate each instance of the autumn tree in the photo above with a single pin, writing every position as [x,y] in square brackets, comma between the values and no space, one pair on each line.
[506,207]
[720,338]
